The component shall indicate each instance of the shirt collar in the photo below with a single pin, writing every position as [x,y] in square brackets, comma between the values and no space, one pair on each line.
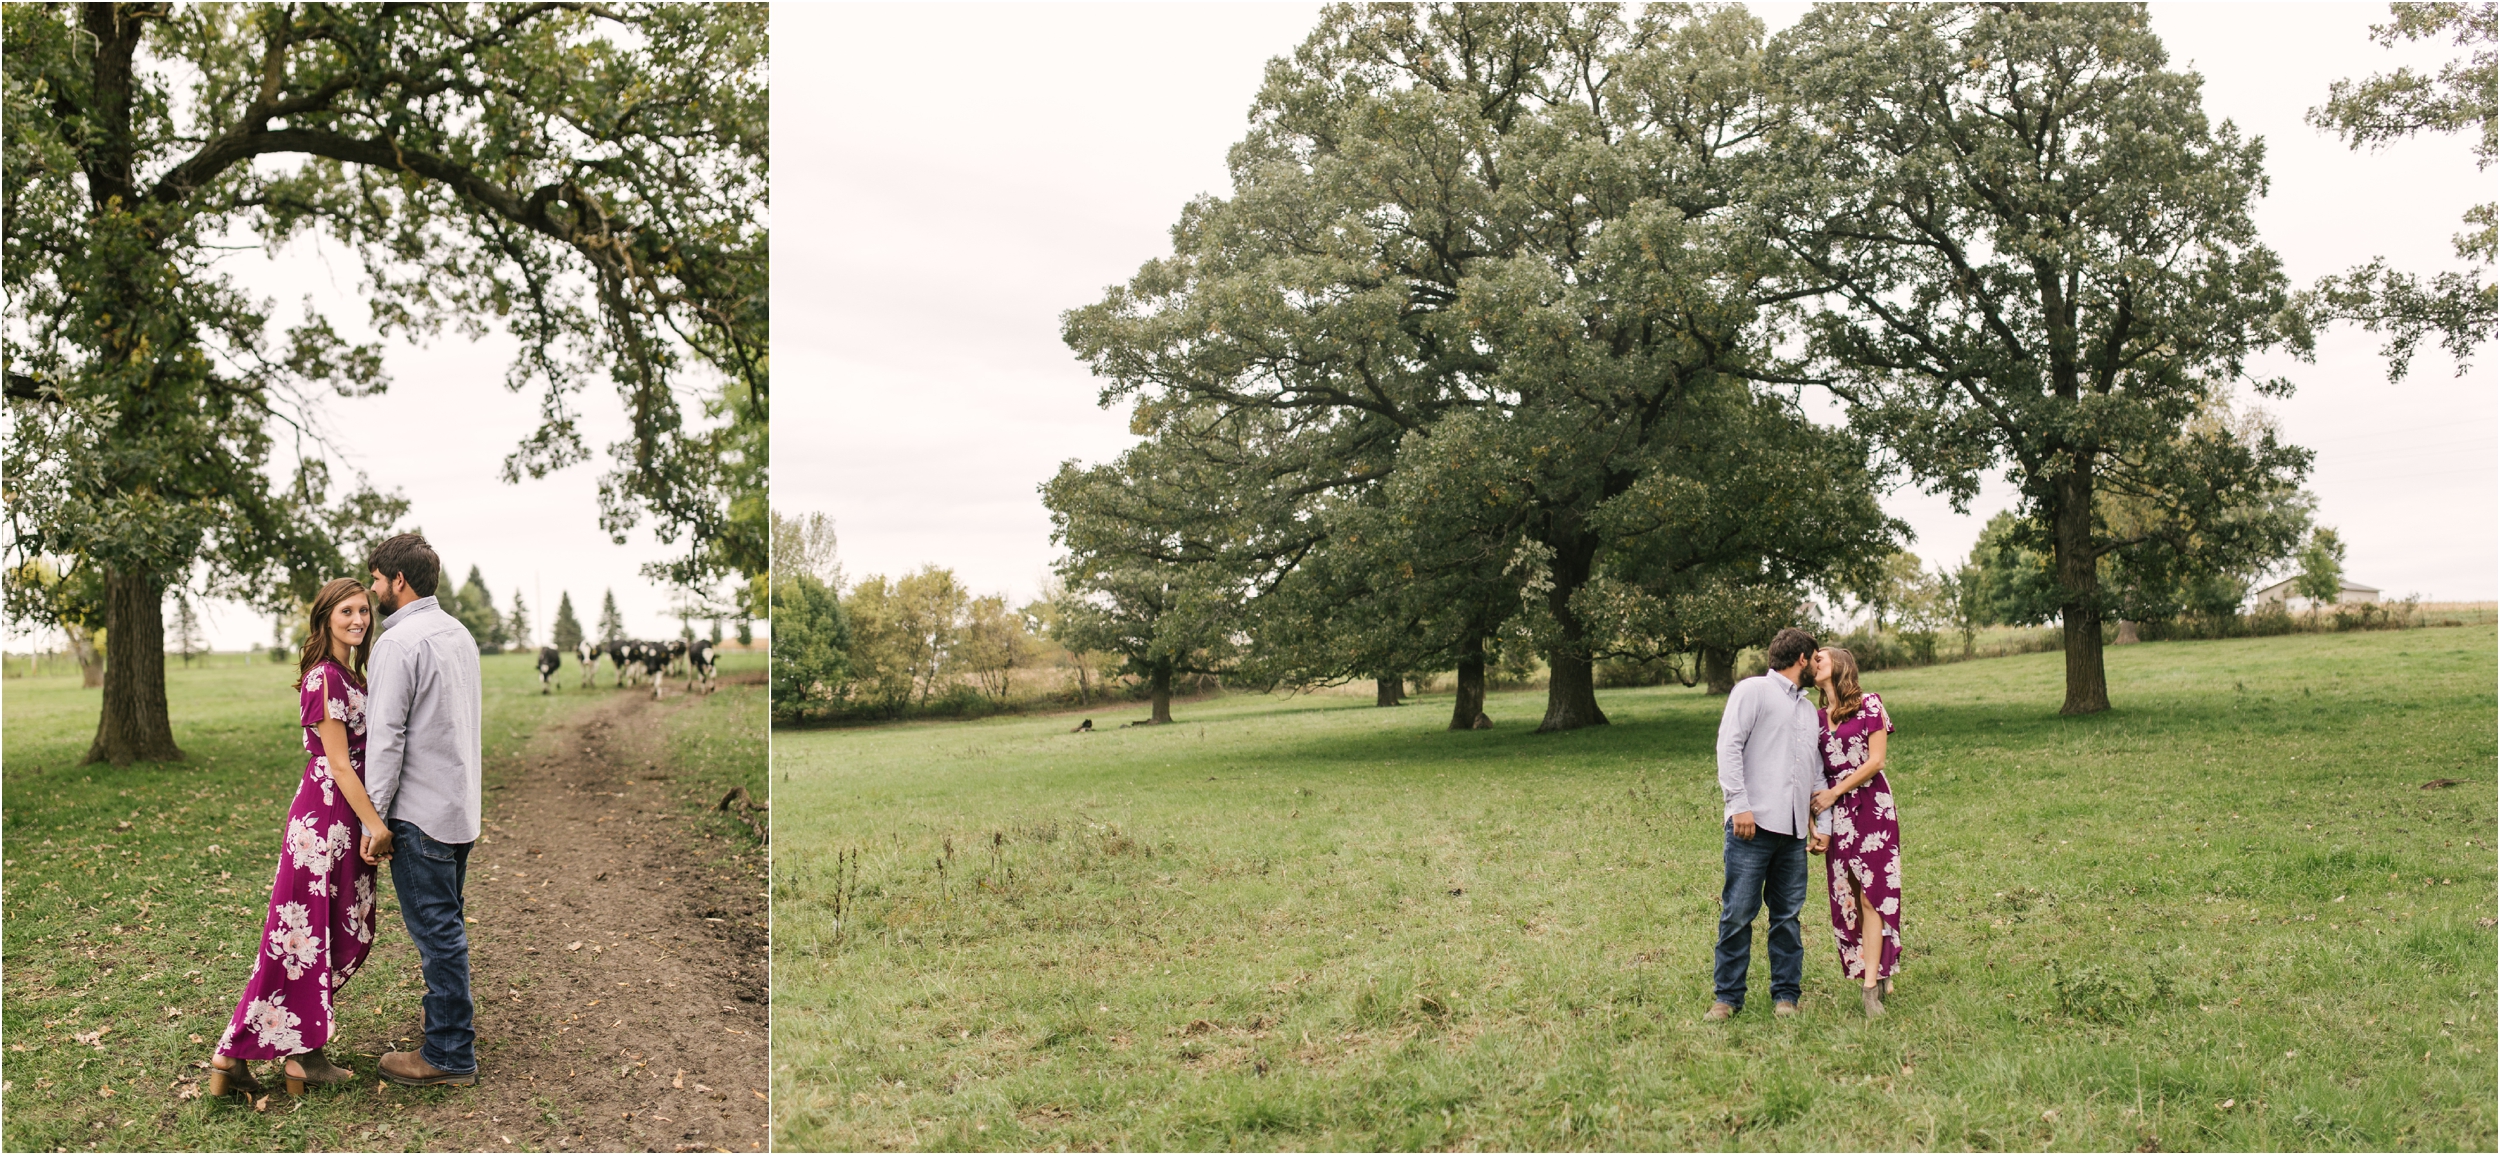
[1796,689]
[422,603]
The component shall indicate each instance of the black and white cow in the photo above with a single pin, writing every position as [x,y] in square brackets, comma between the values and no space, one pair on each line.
[677,656]
[701,660]
[550,663]
[588,651]
[622,653]
[655,662]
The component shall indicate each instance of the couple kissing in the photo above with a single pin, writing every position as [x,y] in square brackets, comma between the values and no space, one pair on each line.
[1801,777]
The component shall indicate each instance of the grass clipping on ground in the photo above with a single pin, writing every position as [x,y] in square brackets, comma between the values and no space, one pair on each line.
[2225,915]
[134,899]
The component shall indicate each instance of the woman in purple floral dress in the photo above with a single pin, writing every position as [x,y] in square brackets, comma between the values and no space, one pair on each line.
[1859,826]
[320,921]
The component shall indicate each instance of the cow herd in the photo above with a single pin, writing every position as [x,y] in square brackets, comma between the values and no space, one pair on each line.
[636,662]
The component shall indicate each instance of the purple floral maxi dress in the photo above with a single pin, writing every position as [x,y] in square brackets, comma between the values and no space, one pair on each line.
[321,908]
[1865,853]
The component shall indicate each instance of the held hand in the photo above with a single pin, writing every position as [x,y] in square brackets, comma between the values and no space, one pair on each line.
[1825,799]
[1817,843]
[1743,822]
[377,847]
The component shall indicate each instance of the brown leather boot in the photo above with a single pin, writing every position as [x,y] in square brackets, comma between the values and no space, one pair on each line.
[314,1068]
[235,1079]
[409,1069]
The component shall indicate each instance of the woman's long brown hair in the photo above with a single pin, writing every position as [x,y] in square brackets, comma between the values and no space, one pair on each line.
[317,639]
[1845,682]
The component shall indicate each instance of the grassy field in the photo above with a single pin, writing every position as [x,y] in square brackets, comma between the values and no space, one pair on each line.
[2224,915]
[133,898]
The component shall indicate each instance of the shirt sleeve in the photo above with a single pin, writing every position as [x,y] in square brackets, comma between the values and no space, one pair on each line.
[1735,724]
[387,701]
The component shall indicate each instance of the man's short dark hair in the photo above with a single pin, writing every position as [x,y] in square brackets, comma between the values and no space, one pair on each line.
[1787,646]
[408,556]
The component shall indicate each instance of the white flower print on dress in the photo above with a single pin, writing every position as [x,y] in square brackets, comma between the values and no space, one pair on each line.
[1873,842]
[329,782]
[355,709]
[316,679]
[1892,874]
[314,853]
[360,912]
[274,1026]
[295,944]
[1889,906]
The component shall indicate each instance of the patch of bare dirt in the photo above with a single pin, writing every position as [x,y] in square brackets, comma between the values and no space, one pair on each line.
[617,958]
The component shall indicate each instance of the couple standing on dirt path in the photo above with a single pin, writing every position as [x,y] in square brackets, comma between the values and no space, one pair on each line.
[414,800]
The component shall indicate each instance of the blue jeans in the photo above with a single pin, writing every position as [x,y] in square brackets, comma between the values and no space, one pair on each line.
[1767,868]
[429,876]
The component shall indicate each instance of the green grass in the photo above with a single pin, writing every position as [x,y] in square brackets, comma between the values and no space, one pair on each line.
[134,897]
[2224,915]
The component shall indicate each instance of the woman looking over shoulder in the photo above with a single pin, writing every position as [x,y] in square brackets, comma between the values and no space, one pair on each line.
[1865,841]
[320,922]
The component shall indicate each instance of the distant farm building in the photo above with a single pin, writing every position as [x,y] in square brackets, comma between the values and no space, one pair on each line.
[2353,593]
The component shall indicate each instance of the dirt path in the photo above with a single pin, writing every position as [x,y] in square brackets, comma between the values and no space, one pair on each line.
[617,958]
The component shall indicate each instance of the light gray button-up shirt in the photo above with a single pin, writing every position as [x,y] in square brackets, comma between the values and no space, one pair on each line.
[1768,761]
[424,719]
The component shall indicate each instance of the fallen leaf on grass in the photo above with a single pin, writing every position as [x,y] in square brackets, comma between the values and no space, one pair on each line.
[104,1092]
[94,1038]
[187,1091]
[2442,783]
[2226,1104]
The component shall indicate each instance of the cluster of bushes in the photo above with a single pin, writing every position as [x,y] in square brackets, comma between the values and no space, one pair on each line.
[919,645]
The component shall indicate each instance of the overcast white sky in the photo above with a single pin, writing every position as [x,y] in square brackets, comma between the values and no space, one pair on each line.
[938,221]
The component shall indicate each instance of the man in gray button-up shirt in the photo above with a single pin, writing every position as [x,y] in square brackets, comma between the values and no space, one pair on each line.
[1769,767]
[423,754]
[424,713]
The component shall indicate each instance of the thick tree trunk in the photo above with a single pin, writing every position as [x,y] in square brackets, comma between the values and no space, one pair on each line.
[134,726]
[2079,579]
[1390,691]
[1571,688]
[1470,704]
[1718,670]
[1160,683]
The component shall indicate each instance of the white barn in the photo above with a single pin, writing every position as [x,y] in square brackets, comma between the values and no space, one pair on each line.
[2353,593]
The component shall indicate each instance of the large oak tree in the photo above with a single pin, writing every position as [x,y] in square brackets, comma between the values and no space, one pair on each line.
[1503,244]
[590,178]
[2029,247]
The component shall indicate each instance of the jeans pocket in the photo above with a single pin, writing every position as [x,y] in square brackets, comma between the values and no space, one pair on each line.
[416,840]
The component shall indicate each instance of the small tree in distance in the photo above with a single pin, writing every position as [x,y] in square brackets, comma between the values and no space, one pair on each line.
[568,630]
[611,623]
[2321,578]
[186,628]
